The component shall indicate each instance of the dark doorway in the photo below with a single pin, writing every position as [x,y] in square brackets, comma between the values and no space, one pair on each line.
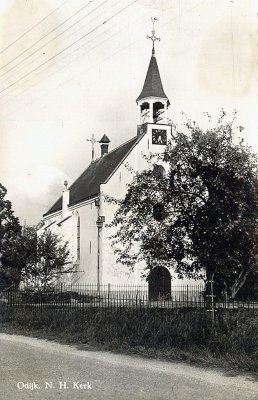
[159,281]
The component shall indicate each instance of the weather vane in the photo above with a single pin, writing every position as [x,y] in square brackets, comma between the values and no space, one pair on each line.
[153,37]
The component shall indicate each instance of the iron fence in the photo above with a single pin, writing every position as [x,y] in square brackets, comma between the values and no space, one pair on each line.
[67,298]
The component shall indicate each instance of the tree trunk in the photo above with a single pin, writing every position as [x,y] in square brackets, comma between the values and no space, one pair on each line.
[238,284]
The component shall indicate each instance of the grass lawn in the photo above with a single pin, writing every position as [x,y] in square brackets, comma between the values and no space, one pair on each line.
[186,335]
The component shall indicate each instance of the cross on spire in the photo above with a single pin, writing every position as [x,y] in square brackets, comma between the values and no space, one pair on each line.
[153,37]
[93,141]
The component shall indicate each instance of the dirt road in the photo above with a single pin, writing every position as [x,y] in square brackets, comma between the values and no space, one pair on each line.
[40,369]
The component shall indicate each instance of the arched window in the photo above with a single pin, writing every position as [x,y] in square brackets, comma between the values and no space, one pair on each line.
[145,112]
[145,106]
[159,171]
[158,110]
[78,237]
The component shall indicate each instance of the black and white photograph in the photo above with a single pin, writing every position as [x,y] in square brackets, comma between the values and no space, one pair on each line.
[129,199]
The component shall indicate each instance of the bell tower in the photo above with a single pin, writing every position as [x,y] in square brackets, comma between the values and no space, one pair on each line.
[152,102]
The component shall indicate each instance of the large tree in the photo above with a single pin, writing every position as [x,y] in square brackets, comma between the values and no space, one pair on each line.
[46,258]
[10,234]
[24,256]
[201,217]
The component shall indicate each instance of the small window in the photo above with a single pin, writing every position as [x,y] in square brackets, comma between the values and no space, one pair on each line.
[159,171]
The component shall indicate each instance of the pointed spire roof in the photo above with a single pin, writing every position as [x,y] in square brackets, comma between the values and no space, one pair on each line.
[153,86]
[104,139]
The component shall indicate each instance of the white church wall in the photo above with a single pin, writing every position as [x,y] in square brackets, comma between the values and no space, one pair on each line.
[110,271]
[85,267]
[87,263]
[113,271]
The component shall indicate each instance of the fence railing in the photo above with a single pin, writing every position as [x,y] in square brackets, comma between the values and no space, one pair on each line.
[174,292]
[82,297]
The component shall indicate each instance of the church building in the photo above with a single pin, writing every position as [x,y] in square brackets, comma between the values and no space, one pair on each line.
[81,214]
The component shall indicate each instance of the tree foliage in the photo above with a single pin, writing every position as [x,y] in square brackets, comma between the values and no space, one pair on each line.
[46,258]
[199,219]
[24,256]
[10,233]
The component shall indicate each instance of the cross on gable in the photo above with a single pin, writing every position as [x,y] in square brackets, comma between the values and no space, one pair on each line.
[93,141]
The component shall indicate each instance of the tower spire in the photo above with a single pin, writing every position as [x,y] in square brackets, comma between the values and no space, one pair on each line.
[152,102]
[153,37]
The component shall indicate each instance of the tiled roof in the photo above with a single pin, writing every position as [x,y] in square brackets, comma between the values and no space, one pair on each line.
[98,172]
[152,86]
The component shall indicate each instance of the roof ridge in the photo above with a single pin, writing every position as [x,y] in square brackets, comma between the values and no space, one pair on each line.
[97,172]
[97,159]
[118,147]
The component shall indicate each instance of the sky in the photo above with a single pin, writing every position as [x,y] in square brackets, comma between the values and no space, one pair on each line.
[70,69]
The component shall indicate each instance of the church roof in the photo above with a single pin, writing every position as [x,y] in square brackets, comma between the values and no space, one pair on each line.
[152,86]
[99,171]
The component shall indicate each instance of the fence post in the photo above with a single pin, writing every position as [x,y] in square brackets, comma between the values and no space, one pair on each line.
[212,303]
[210,299]
[61,297]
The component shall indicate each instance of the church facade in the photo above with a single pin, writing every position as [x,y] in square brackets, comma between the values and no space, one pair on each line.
[81,214]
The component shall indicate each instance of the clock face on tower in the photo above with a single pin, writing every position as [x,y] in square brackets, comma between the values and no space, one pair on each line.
[159,136]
